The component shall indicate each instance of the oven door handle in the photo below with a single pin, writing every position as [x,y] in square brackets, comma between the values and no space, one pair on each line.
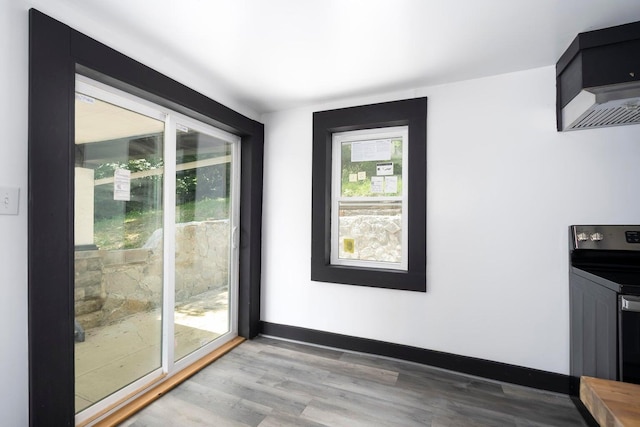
[629,303]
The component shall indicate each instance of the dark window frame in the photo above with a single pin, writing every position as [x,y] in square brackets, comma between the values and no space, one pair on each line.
[56,54]
[411,113]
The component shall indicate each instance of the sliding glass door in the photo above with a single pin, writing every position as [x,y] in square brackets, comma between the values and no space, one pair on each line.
[156,213]
[118,266]
[204,236]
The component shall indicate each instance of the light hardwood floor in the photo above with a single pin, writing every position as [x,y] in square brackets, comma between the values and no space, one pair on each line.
[267,382]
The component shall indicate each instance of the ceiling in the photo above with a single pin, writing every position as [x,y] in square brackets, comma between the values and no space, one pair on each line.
[92,114]
[270,55]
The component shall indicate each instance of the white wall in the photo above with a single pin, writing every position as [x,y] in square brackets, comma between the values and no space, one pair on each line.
[503,187]
[13,229]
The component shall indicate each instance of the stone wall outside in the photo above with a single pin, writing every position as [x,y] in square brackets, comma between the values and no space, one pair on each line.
[377,237]
[111,285]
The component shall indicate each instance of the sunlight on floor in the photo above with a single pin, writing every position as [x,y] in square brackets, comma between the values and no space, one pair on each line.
[113,356]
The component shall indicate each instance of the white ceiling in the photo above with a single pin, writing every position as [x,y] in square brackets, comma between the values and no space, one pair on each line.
[269,55]
[92,114]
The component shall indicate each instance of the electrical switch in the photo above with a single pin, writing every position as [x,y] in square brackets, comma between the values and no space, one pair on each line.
[9,200]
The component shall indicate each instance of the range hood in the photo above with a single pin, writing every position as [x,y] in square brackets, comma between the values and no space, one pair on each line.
[598,79]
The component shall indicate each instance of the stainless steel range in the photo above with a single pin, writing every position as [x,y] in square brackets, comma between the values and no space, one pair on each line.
[604,281]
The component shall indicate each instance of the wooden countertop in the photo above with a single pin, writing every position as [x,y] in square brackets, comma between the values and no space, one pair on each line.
[612,403]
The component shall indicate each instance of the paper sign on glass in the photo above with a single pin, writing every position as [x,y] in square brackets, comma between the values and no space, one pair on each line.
[353,177]
[384,168]
[122,185]
[349,245]
[362,176]
[391,184]
[377,183]
[377,149]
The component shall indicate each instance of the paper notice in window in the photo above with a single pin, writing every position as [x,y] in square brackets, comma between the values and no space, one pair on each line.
[377,184]
[390,184]
[377,149]
[384,169]
[353,177]
[349,245]
[122,185]
[362,176]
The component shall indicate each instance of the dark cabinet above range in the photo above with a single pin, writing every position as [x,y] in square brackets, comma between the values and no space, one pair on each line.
[598,79]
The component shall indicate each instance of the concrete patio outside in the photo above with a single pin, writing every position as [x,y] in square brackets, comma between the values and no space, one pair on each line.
[115,355]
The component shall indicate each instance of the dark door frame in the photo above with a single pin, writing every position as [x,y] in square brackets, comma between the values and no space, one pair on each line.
[56,53]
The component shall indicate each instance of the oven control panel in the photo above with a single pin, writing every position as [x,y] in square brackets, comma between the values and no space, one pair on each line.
[609,237]
[632,236]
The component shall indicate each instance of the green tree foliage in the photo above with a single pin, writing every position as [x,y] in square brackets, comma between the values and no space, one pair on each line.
[209,182]
[363,187]
[145,192]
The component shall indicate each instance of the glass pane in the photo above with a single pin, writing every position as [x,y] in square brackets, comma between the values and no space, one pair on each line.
[118,256]
[370,231]
[203,239]
[371,168]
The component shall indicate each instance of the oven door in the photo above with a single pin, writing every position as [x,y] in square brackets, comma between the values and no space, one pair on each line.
[629,339]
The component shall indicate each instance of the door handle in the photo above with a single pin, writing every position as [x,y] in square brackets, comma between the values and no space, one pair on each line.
[630,303]
[234,237]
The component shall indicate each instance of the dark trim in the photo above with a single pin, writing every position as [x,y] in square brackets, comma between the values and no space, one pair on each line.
[574,385]
[584,412]
[50,228]
[513,374]
[56,53]
[250,233]
[409,112]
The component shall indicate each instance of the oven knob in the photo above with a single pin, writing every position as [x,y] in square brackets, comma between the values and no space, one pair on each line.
[596,237]
[582,237]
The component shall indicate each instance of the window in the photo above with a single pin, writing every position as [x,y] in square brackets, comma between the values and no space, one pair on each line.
[369,195]
[368,212]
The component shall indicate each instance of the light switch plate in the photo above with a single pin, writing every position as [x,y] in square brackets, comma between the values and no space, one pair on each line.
[9,198]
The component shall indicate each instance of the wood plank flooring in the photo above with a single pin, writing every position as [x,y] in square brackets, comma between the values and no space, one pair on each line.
[267,382]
